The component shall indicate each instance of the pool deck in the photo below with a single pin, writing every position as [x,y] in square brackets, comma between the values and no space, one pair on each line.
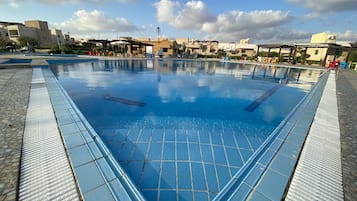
[15,85]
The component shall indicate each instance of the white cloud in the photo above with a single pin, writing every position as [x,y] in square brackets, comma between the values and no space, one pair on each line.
[165,10]
[191,16]
[230,26]
[266,35]
[236,21]
[348,35]
[292,36]
[60,1]
[310,16]
[327,5]
[54,2]
[95,22]
[17,3]
[14,5]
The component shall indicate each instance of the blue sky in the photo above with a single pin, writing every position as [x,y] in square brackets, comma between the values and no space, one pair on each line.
[224,20]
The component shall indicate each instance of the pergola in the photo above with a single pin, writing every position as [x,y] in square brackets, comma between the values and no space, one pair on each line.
[332,49]
[124,43]
[292,49]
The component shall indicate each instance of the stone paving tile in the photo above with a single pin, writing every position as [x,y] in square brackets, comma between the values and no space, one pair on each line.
[14,90]
[347,105]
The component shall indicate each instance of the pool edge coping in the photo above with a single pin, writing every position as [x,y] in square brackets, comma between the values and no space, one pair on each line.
[244,186]
[89,136]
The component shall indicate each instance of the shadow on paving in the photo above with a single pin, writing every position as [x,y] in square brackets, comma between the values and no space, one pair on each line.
[346,84]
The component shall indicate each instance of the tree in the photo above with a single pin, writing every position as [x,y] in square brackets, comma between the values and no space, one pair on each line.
[25,41]
[55,49]
[3,43]
[274,54]
[66,48]
[63,49]
[353,56]
[221,53]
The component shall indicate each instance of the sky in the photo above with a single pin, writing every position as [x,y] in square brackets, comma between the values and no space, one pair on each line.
[262,21]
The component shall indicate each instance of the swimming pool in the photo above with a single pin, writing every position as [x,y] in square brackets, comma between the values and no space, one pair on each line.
[182,129]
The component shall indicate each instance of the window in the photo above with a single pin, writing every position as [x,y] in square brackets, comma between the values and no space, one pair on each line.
[14,33]
[165,49]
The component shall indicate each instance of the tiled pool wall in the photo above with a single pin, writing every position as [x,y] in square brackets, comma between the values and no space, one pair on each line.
[267,173]
[17,61]
[273,162]
[97,173]
[68,61]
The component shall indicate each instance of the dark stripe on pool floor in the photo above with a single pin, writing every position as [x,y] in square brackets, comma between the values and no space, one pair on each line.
[124,100]
[262,98]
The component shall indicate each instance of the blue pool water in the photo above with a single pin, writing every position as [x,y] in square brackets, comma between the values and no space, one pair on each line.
[182,129]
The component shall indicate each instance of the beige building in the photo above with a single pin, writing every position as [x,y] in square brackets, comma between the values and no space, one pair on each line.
[43,33]
[4,34]
[34,29]
[323,49]
[205,47]
[242,49]
[19,30]
[182,41]
[323,37]
[57,37]
[162,47]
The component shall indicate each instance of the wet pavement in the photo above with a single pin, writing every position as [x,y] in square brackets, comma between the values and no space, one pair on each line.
[14,93]
[347,112]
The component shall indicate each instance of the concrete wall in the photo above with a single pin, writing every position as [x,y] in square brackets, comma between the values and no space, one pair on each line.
[4,34]
[323,37]
[17,31]
[57,37]
[43,33]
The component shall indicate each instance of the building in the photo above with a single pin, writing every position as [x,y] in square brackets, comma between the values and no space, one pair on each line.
[205,47]
[324,49]
[4,35]
[33,29]
[162,47]
[245,50]
[323,37]
[242,49]
[43,33]
[57,37]
[16,31]
[321,50]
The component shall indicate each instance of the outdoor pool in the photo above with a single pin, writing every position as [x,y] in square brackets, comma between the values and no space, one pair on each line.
[181,129]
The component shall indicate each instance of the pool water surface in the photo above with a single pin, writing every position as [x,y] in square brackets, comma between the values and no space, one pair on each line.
[182,129]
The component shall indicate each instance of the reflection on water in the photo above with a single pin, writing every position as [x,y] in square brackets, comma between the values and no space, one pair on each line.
[195,121]
[209,89]
[271,73]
